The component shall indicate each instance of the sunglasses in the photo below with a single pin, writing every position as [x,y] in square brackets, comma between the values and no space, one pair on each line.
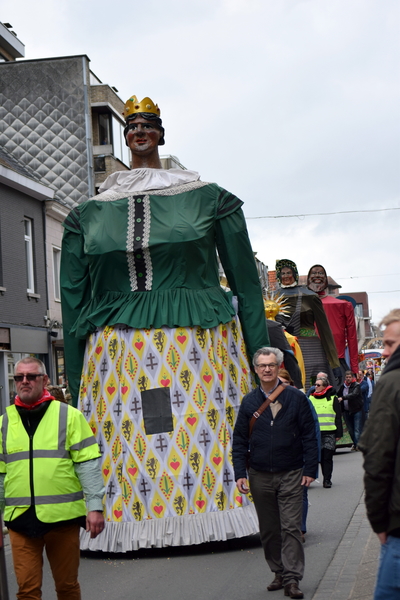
[29,376]
[318,385]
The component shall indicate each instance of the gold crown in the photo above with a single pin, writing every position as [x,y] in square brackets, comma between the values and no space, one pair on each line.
[133,106]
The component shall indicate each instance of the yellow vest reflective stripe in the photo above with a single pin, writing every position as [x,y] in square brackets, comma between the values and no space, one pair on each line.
[45,499]
[325,412]
[62,437]
[3,429]
[38,454]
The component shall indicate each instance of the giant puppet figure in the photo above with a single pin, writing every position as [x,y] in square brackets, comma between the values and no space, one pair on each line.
[274,304]
[340,315]
[157,355]
[306,320]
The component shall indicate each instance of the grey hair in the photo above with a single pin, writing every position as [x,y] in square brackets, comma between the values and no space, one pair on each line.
[325,380]
[31,359]
[266,352]
[323,375]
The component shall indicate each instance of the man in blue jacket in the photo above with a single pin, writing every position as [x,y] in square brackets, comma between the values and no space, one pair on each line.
[283,458]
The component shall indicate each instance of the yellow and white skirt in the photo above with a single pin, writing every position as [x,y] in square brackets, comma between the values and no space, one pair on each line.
[162,404]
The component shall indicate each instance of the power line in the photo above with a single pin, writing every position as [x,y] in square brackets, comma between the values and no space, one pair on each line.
[362,276]
[385,292]
[339,212]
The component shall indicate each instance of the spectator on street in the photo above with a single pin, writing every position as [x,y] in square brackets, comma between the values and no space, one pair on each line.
[329,414]
[48,468]
[380,444]
[371,384]
[350,396]
[285,377]
[362,382]
[56,392]
[283,458]
[311,390]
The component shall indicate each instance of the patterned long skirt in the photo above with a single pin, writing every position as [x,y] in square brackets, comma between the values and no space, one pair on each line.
[162,404]
[315,360]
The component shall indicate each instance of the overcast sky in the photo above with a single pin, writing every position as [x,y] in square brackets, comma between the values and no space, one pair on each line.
[292,105]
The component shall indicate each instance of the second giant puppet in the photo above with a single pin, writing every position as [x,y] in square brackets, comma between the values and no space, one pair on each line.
[305,317]
[157,354]
[340,315]
[287,343]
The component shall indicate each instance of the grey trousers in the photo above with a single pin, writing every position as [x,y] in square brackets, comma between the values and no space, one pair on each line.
[278,499]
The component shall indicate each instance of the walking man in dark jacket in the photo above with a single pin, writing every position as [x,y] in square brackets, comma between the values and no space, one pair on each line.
[352,403]
[380,444]
[283,459]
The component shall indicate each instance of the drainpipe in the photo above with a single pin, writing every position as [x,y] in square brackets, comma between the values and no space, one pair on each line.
[49,366]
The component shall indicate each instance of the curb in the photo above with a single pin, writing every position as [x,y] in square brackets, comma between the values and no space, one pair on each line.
[347,577]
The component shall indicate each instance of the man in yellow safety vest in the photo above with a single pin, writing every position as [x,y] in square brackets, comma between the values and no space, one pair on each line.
[48,468]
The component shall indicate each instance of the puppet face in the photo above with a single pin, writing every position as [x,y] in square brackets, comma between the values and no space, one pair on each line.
[143,136]
[271,309]
[317,279]
[287,277]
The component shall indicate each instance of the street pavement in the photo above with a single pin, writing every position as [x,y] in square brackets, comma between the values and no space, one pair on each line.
[341,557]
[351,573]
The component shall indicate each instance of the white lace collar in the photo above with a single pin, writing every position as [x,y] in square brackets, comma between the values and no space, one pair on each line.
[141,180]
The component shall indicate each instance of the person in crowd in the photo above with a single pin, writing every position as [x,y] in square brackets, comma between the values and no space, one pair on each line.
[57,393]
[49,467]
[306,319]
[156,351]
[320,375]
[363,383]
[371,383]
[327,407]
[283,458]
[380,445]
[285,377]
[349,394]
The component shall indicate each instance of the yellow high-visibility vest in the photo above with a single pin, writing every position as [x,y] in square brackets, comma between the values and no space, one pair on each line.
[325,412]
[42,468]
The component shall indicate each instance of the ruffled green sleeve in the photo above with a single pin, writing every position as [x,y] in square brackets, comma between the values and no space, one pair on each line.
[237,259]
[75,293]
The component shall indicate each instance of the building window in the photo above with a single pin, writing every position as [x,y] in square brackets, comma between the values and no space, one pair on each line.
[60,366]
[30,274]
[56,272]
[359,310]
[99,164]
[104,129]
[120,149]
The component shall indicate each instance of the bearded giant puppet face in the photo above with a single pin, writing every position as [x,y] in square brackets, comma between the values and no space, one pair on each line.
[317,280]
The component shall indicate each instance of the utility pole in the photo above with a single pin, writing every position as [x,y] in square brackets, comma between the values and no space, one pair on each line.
[3,574]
